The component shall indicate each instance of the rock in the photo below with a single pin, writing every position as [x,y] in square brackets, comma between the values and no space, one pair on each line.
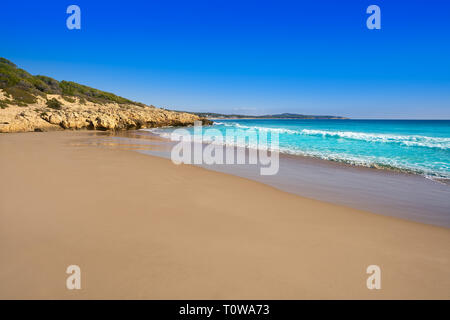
[91,116]
[54,119]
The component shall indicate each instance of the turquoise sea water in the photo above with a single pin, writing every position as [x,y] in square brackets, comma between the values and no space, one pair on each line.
[415,146]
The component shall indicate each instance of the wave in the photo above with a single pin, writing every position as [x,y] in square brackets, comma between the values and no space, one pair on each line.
[405,140]
[378,162]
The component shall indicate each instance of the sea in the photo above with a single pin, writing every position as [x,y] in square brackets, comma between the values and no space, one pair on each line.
[414,146]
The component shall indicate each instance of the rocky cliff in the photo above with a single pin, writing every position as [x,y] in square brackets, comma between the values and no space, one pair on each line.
[62,114]
[40,103]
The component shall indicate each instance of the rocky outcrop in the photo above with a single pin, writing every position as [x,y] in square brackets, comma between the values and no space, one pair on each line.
[92,116]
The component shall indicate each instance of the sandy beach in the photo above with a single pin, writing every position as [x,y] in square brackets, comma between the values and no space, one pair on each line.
[141,227]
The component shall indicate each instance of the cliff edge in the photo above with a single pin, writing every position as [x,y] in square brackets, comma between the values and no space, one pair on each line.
[40,103]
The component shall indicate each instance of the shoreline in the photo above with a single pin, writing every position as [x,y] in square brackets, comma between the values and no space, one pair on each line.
[141,227]
[388,170]
[330,162]
[429,173]
[408,196]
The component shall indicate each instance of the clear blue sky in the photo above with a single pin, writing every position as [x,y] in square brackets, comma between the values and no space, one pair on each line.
[250,57]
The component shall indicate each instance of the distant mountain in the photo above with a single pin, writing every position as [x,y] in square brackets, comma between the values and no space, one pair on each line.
[212,115]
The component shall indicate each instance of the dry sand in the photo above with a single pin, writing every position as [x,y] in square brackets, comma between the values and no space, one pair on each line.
[142,227]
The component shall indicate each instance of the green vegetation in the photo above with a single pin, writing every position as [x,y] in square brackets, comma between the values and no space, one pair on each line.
[69,99]
[54,104]
[3,105]
[20,95]
[70,88]
[82,100]
[23,87]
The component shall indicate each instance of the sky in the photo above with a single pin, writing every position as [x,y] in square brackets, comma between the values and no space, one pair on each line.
[247,57]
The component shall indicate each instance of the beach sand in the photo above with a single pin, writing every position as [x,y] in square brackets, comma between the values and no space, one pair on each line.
[141,227]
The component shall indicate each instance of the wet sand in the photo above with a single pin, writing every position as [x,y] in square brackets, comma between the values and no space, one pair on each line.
[141,227]
[407,196]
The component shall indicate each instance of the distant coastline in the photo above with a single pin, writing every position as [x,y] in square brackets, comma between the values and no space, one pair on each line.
[274,118]
[220,116]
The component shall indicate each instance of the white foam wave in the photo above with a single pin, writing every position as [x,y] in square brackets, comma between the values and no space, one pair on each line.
[359,160]
[405,140]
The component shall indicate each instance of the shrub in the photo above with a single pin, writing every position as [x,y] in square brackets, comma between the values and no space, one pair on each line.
[69,99]
[20,95]
[51,85]
[24,87]
[54,104]
[6,61]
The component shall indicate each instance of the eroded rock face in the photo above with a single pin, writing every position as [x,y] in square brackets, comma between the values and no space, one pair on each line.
[90,116]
